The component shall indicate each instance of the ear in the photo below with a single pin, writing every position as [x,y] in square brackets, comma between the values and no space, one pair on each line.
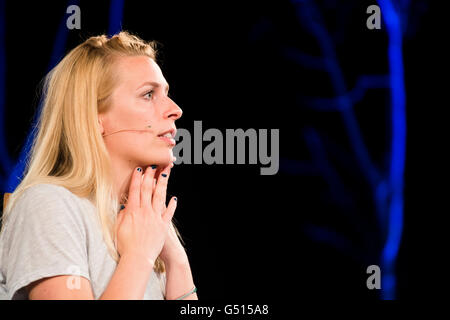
[100,124]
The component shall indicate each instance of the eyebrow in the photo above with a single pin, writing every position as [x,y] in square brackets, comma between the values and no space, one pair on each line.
[155,84]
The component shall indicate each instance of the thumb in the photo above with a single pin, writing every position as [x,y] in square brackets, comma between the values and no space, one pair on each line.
[119,219]
[168,214]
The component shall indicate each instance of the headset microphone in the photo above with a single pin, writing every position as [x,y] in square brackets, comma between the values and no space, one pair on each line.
[104,135]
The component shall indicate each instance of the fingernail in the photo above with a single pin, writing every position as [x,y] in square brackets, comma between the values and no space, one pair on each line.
[175,198]
[154,166]
[164,175]
[122,207]
[139,169]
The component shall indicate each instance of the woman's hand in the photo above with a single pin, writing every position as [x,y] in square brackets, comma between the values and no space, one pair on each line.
[143,225]
[173,251]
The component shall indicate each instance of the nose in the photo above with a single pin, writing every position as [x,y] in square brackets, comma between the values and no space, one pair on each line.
[173,112]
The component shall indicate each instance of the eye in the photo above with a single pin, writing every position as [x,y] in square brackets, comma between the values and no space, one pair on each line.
[149,95]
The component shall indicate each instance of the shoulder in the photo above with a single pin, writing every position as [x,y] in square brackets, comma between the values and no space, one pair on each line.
[42,201]
[45,235]
[43,191]
[48,194]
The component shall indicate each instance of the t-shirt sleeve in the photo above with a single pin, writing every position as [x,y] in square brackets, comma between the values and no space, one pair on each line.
[163,281]
[45,237]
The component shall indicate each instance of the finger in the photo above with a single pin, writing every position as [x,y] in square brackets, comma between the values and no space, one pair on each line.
[168,214]
[147,187]
[134,192]
[159,193]
[155,177]
[119,220]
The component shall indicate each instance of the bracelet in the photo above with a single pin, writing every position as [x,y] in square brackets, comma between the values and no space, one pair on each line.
[194,289]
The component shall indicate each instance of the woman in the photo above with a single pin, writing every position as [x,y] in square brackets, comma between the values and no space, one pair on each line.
[89,218]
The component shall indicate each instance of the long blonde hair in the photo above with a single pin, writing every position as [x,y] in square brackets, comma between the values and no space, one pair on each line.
[68,149]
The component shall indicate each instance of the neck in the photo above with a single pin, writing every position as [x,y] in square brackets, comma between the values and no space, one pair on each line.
[123,171]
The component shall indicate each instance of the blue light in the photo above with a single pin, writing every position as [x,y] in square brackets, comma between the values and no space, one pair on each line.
[398,144]
[387,187]
[5,160]
[115,17]
[16,174]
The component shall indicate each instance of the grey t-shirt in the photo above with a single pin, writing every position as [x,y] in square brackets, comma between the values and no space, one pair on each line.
[52,232]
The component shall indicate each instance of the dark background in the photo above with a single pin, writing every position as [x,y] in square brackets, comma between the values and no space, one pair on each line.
[312,229]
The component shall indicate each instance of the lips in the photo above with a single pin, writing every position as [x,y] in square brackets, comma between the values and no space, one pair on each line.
[169,133]
[168,136]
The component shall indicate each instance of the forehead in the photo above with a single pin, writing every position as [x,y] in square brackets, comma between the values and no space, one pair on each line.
[135,70]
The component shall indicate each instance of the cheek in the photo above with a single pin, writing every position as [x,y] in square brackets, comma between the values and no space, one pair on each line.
[133,140]
[133,114]
[142,148]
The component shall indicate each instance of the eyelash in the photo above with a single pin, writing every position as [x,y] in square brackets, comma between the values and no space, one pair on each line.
[151,91]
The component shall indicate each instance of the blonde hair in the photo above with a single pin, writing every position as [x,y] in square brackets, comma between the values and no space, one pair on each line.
[68,149]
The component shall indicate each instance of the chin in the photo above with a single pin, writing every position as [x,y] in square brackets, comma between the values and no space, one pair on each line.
[162,159]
